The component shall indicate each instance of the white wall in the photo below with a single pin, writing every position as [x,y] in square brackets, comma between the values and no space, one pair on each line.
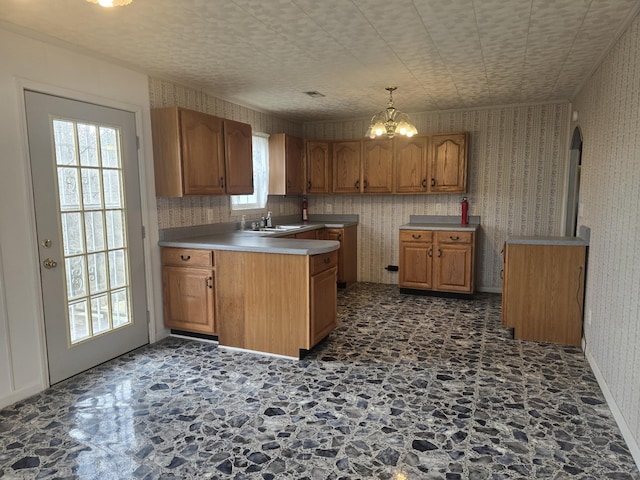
[609,117]
[34,64]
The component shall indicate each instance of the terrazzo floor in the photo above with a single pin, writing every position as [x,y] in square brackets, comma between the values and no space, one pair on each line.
[407,387]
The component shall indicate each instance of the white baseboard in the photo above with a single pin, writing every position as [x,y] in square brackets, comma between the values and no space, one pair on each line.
[489,289]
[22,394]
[632,442]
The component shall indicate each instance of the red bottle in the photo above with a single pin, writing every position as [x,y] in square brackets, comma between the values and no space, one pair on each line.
[465,211]
[305,216]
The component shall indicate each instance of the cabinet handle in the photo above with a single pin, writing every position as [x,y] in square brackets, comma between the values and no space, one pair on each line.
[209,282]
[424,183]
[454,238]
[433,182]
[439,253]
[185,258]
[339,237]
[327,260]
[222,182]
[309,185]
[288,183]
[416,236]
[502,274]
[430,252]
[365,184]
[357,185]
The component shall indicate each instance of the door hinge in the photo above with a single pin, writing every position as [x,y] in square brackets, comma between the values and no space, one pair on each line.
[148,317]
[144,232]
[137,142]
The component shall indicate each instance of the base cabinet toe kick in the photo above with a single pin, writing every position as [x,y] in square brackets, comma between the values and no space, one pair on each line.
[273,303]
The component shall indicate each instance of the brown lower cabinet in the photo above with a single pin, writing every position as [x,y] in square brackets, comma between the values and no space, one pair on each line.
[347,255]
[437,260]
[543,292]
[275,303]
[188,290]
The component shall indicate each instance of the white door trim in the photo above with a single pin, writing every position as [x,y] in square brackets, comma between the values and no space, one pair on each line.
[147,198]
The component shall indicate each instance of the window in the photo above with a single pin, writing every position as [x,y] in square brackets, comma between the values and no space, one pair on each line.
[260,145]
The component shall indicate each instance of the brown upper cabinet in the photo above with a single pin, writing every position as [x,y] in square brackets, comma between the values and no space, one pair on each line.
[347,166]
[377,166]
[286,165]
[318,167]
[199,154]
[410,156]
[448,167]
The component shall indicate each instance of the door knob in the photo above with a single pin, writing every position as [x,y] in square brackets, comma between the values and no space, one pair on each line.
[50,263]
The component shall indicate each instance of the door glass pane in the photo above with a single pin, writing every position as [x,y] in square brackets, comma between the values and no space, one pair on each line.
[112,190]
[115,229]
[68,188]
[99,314]
[65,141]
[93,216]
[79,321]
[72,234]
[87,145]
[91,188]
[76,277]
[97,268]
[109,147]
[94,227]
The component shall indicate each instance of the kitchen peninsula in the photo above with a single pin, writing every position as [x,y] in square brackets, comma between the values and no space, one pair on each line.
[255,290]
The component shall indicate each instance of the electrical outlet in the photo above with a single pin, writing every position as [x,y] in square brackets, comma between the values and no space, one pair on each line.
[210,215]
[328,207]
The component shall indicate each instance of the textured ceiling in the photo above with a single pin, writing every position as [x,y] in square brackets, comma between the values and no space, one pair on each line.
[442,54]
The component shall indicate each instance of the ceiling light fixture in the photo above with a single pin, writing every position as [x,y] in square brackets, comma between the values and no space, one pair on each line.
[390,121]
[111,3]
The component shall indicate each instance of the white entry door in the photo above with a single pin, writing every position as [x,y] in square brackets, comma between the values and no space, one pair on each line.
[89,226]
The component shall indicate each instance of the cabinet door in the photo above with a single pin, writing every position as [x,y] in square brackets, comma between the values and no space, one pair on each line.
[188,299]
[416,260]
[294,171]
[347,167]
[335,234]
[411,164]
[202,153]
[448,163]
[452,266]
[238,155]
[323,304]
[377,164]
[318,168]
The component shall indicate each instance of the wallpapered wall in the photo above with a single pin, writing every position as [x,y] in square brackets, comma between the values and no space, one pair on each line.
[609,118]
[516,183]
[516,179]
[189,211]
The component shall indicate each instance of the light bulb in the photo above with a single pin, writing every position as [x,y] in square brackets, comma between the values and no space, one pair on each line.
[105,3]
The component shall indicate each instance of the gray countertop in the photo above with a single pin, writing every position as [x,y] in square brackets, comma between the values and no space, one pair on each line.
[441,222]
[529,240]
[262,242]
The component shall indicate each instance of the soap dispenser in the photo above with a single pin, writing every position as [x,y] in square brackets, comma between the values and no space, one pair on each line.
[269,221]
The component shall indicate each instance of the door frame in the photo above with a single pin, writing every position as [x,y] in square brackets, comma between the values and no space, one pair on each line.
[147,202]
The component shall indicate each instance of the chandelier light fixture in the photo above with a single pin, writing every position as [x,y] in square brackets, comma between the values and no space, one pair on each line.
[390,121]
[111,3]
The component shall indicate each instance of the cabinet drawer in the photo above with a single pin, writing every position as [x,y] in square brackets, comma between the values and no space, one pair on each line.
[454,237]
[320,263]
[187,257]
[425,236]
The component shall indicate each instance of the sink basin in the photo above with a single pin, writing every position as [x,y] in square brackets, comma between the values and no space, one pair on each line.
[288,227]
